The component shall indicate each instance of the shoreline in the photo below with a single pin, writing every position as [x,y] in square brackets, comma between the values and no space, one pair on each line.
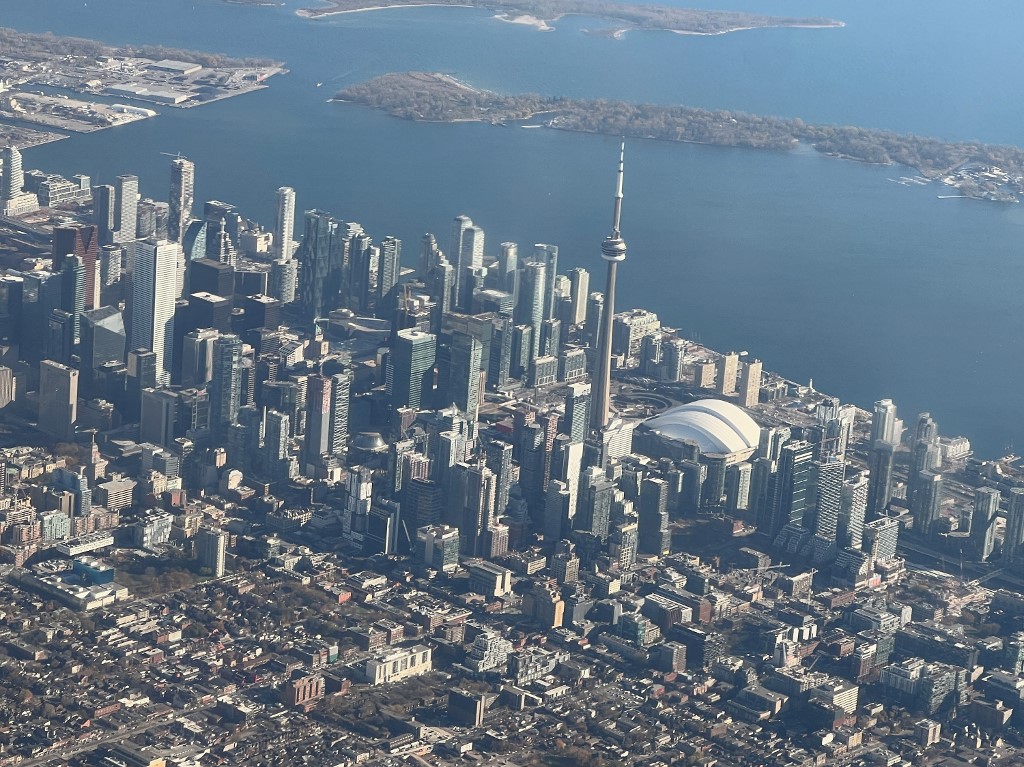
[512,16]
[541,25]
[308,13]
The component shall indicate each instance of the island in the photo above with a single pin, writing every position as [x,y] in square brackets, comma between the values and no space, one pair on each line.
[976,170]
[541,13]
[53,83]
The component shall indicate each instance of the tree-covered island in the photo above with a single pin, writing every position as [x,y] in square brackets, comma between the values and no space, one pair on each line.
[976,170]
[651,17]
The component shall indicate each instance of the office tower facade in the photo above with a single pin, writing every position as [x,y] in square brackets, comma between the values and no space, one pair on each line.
[73,292]
[103,339]
[466,358]
[197,356]
[153,302]
[183,179]
[225,383]
[284,222]
[410,370]
[983,522]
[126,208]
[613,251]
[80,240]
[211,550]
[318,419]
[104,206]
[58,399]
[884,422]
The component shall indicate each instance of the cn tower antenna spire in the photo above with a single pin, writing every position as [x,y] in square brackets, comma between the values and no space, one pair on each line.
[617,220]
[613,250]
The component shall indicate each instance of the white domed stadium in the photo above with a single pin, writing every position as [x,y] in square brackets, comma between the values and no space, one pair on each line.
[716,427]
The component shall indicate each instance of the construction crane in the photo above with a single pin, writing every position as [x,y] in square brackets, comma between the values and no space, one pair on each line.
[175,155]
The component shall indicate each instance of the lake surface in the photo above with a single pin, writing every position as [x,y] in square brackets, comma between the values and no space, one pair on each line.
[820,267]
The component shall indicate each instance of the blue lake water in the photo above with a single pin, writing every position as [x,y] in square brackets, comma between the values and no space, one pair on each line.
[820,267]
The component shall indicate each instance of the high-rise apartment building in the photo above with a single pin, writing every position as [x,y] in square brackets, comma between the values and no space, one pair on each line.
[126,208]
[211,549]
[284,222]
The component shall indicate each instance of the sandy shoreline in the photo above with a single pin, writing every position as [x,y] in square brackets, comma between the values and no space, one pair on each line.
[306,13]
[527,19]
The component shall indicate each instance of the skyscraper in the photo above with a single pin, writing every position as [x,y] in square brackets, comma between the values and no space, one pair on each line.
[410,371]
[58,399]
[14,201]
[883,422]
[13,179]
[655,537]
[103,339]
[577,411]
[531,301]
[467,249]
[983,521]
[72,298]
[880,479]
[183,178]
[579,281]
[153,297]
[548,255]
[613,250]
[126,208]
[1014,535]
[318,418]
[389,267]
[341,395]
[80,240]
[794,497]
[464,374]
[226,382]
[104,203]
[284,222]
[321,256]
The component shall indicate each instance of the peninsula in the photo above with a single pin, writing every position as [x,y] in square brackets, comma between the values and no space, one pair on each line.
[54,84]
[975,170]
[650,17]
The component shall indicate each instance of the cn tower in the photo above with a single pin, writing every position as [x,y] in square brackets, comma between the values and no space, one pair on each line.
[613,250]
